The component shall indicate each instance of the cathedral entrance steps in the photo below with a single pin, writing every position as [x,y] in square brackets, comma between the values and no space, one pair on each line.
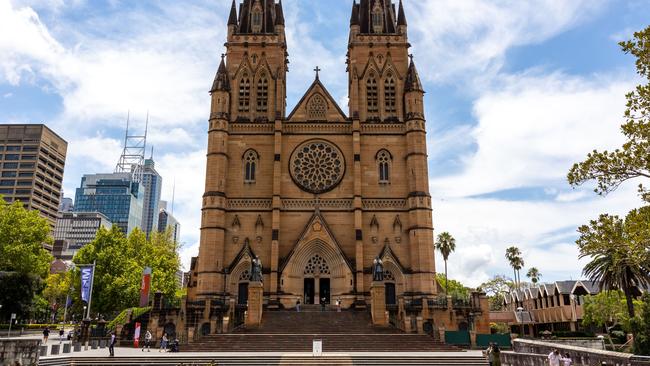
[292,331]
[366,359]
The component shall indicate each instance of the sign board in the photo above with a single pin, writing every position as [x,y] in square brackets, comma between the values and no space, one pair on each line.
[86,282]
[317,348]
[145,287]
[13,316]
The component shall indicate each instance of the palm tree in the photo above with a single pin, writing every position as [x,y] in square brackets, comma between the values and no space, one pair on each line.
[619,251]
[534,275]
[513,255]
[446,244]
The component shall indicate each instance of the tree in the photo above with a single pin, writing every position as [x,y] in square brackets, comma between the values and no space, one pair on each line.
[496,289]
[619,251]
[446,244]
[22,235]
[513,255]
[611,169]
[534,275]
[607,309]
[120,261]
[57,289]
[641,329]
[17,293]
[456,288]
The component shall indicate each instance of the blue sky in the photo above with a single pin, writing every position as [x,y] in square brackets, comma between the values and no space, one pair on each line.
[517,91]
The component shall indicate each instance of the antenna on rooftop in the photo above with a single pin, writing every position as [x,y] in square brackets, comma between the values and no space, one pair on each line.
[132,158]
[173,195]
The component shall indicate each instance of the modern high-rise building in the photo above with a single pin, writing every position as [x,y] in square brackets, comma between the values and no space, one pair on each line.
[115,195]
[66,205]
[32,159]
[167,220]
[152,182]
[74,230]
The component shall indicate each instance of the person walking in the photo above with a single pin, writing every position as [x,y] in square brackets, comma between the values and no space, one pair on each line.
[163,343]
[46,334]
[554,358]
[496,355]
[61,335]
[338,305]
[298,305]
[111,345]
[566,360]
[322,304]
[147,341]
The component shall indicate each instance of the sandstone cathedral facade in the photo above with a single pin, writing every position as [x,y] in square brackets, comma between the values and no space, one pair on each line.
[317,194]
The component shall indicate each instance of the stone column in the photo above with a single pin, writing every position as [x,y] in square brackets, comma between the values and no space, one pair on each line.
[255,298]
[378,304]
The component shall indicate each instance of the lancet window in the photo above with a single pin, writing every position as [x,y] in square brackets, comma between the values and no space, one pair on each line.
[250,166]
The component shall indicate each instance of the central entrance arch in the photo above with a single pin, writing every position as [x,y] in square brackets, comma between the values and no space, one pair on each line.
[316,282]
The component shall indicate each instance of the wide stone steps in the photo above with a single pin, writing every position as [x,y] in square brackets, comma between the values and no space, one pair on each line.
[282,360]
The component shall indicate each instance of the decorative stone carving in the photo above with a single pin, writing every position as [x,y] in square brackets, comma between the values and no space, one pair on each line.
[378,270]
[256,270]
[317,166]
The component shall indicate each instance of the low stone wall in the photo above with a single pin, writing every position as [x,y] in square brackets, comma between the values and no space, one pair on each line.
[598,344]
[19,351]
[523,359]
[580,356]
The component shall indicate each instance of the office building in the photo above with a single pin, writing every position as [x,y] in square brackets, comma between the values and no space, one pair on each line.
[76,229]
[66,205]
[167,220]
[116,195]
[32,160]
[152,182]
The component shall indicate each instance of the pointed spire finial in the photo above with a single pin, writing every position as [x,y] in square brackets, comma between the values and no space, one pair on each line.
[221,82]
[232,20]
[401,16]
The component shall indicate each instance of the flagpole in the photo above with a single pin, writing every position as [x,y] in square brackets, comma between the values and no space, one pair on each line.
[90,296]
[65,309]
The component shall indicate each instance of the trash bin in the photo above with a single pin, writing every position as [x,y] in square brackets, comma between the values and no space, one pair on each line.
[55,349]
[43,351]
[77,347]
[94,344]
[66,347]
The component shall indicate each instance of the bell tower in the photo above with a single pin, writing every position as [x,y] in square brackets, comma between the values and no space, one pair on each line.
[377,60]
[257,61]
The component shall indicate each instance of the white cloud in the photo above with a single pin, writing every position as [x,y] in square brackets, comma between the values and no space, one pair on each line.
[531,130]
[456,37]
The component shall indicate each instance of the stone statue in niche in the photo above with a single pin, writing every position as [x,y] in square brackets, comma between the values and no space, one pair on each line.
[256,270]
[378,270]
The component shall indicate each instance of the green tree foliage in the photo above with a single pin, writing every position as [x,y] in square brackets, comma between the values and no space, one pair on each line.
[456,288]
[513,255]
[120,261]
[641,329]
[17,293]
[496,289]
[607,309]
[446,244]
[611,169]
[57,289]
[619,251]
[534,274]
[22,235]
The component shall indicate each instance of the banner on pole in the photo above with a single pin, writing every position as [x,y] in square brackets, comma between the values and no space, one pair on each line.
[136,336]
[145,287]
[86,282]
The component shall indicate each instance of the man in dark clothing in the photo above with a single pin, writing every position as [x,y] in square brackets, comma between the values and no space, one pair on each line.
[111,345]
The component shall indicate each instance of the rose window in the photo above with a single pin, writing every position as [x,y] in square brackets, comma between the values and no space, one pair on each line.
[317,265]
[317,166]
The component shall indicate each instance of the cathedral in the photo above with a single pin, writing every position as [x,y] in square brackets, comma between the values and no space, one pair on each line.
[317,194]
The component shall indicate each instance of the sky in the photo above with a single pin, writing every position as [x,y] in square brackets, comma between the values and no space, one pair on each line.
[517,92]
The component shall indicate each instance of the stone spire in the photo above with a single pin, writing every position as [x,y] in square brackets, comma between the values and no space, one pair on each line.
[384,9]
[232,20]
[354,19]
[221,82]
[401,16]
[412,82]
[279,14]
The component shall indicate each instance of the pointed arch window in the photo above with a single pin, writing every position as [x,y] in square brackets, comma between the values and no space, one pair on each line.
[390,98]
[317,108]
[384,161]
[256,18]
[377,19]
[250,166]
[244,94]
[372,95]
[262,94]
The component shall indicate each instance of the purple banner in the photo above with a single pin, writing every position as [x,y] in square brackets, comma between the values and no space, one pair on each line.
[86,282]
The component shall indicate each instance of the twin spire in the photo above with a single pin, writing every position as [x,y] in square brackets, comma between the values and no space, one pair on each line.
[256,16]
[377,16]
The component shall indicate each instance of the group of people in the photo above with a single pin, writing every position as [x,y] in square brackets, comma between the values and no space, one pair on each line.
[165,344]
[323,304]
[493,354]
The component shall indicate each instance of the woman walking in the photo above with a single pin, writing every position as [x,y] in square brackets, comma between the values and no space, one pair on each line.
[163,343]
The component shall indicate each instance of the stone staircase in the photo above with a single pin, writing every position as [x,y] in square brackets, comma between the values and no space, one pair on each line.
[291,331]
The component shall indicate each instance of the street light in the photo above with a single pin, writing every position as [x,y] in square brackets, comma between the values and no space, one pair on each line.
[520,310]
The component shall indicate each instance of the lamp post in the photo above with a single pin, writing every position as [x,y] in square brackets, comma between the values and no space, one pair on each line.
[520,311]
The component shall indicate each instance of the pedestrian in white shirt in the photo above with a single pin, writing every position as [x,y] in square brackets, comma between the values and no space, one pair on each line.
[554,358]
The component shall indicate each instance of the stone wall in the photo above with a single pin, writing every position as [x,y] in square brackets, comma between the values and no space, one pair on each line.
[18,351]
[528,353]
[598,344]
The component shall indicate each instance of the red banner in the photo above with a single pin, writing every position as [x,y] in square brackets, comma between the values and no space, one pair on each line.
[145,288]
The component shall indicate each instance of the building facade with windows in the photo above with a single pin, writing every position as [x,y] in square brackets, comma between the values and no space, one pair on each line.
[152,183]
[316,193]
[74,230]
[32,161]
[167,221]
[116,195]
